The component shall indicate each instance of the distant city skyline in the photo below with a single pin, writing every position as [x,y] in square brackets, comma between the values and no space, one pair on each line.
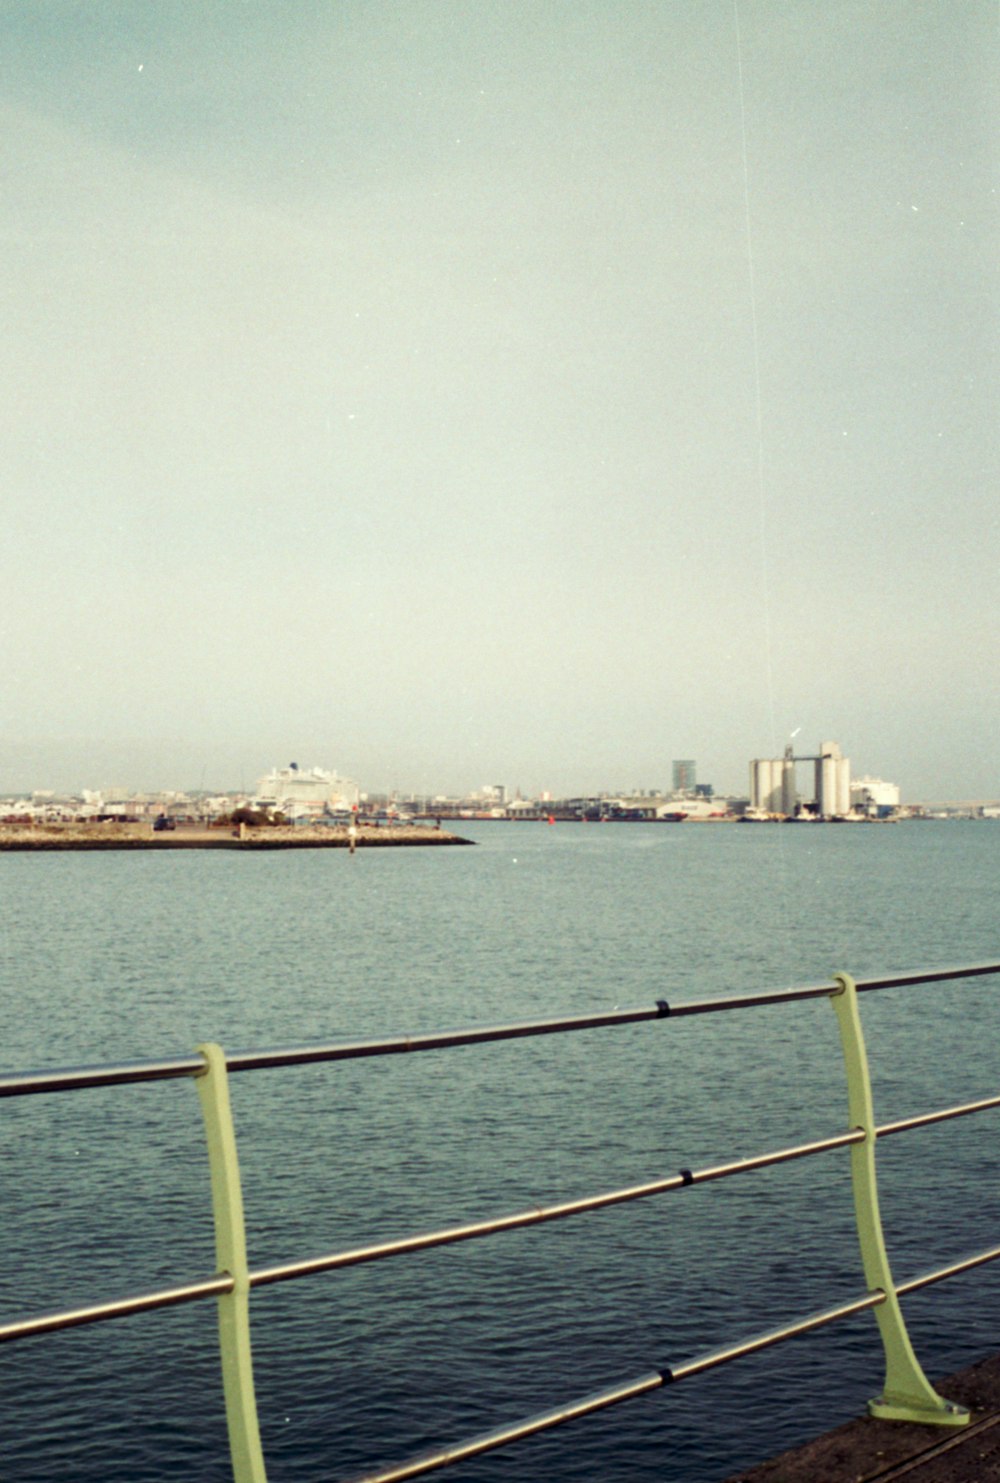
[500,791]
[449,391]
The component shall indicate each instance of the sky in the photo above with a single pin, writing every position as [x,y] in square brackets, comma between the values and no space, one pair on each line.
[499,392]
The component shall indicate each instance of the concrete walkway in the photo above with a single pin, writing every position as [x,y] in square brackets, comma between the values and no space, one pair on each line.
[869,1451]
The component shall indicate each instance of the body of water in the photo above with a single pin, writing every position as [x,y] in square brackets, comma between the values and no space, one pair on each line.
[105,1192]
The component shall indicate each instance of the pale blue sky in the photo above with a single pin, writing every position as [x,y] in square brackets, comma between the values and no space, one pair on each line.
[382,391]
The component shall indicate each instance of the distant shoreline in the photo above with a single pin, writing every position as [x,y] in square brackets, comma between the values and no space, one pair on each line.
[47,837]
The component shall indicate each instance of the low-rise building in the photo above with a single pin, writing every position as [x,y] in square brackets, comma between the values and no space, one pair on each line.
[873,796]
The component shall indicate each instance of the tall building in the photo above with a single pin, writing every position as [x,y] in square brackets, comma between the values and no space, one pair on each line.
[685,775]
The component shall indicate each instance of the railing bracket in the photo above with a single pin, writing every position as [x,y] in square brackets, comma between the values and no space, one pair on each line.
[907,1395]
[231,1256]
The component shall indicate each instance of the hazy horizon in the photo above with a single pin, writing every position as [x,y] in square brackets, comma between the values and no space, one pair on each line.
[449,393]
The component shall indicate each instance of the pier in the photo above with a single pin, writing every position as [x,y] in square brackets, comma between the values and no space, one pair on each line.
[869,1451]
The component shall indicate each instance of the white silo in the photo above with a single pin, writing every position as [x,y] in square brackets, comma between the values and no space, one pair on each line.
[824,779]
[833,781]
[767,784]
[843,785]
[755,781]
[762,784]
[758,797]
[788,798]
[774,796]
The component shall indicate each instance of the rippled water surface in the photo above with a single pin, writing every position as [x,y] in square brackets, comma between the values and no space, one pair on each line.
[105,1192]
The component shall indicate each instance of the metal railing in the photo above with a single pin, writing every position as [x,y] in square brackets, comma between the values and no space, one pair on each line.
[906,1394]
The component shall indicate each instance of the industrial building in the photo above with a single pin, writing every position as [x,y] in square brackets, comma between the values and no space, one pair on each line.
[873,797]
[772,785]
[773,788]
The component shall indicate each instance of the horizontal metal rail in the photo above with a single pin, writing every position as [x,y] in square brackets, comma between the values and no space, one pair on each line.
[74,1078]
[925,1119]
[165,1297]
[188,1292]
[450,1235]
[924,976]
[712,1358]
[599,1400]
[423,1241]
[428,1462]
[431,1461]
[953,1269]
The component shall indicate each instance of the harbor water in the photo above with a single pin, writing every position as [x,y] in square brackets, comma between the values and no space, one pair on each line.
[105,1192]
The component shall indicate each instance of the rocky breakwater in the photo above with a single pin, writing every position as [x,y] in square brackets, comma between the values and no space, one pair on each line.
[112,835]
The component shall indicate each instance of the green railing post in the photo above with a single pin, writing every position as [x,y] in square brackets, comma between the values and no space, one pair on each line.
[231,1256]
[907,1395]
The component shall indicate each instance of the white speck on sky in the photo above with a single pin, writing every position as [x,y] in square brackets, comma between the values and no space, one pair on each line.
[326,437]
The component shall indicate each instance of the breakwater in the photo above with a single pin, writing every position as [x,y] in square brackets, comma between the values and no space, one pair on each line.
[142,837]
